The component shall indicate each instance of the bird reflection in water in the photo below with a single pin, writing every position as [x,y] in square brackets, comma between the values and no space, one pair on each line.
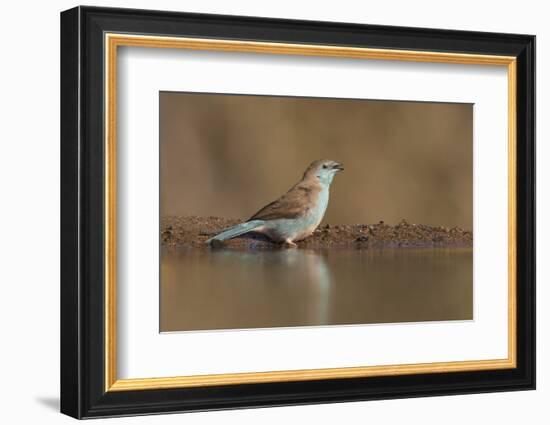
[265,288]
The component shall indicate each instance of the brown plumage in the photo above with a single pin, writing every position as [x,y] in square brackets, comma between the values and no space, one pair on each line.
[294,203]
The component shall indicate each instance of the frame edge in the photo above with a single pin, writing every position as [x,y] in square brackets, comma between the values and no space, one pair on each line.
[70,349]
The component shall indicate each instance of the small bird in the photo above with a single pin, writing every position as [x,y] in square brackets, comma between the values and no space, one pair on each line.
[296,214]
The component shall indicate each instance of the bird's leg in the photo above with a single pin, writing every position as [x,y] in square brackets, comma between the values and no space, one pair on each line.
[289,244]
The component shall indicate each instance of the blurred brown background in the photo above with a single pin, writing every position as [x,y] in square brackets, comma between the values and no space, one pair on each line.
[229,155]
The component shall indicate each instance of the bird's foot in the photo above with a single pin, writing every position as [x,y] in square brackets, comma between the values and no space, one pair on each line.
[289,244]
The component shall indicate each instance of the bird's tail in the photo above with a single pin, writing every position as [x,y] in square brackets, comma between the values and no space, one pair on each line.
[237,230]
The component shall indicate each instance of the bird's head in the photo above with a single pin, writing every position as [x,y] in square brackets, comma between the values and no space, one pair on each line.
[324,170]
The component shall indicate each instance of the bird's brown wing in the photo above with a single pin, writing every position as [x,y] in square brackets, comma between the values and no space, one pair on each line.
[295,203]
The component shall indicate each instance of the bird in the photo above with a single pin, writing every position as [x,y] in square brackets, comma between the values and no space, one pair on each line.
[295,215]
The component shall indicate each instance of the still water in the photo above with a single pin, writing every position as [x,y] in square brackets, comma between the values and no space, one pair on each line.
[227,289]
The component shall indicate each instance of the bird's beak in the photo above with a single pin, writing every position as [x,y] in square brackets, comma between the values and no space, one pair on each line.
[338,167]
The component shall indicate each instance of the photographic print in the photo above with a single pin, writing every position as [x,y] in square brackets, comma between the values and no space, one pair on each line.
[235,186]
[293,211]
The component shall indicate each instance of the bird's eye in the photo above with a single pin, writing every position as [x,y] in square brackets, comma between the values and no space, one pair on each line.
[325,166]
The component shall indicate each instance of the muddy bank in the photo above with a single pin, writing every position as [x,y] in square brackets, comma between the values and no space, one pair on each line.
[194,231]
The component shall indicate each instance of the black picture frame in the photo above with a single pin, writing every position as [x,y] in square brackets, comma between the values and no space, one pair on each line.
[83,392]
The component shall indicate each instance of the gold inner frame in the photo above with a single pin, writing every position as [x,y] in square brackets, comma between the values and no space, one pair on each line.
[113,41]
